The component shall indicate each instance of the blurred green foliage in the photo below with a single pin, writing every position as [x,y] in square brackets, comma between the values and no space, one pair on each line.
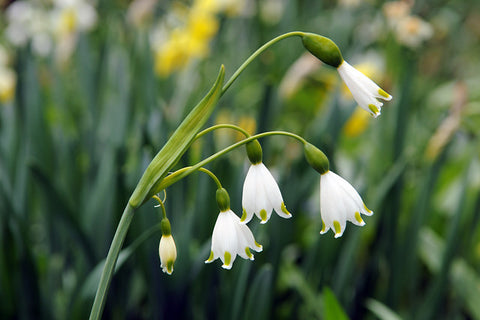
[78,133]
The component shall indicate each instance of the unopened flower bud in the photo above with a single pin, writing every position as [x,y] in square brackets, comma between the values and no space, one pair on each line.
[316,158]
[323,48]
[167,249]
[254,152]
[223,200]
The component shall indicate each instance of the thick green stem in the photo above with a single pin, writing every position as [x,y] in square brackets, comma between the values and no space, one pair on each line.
[110,262]
[256,53]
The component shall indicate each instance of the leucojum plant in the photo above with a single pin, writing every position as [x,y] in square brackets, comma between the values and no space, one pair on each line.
[339,201]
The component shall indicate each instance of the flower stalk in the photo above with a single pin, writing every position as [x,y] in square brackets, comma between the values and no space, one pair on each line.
[155,178]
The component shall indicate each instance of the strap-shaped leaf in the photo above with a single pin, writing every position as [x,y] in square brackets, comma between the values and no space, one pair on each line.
[178,144]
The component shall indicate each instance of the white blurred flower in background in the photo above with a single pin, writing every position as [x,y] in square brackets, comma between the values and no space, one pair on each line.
[49,27]
[69,18]
[29,22]
[413,31]
[409,30]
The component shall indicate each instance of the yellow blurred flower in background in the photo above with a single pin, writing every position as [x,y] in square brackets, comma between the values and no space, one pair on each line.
[190,39]
[357,123]
[248,123]
[173,54]
[8,77]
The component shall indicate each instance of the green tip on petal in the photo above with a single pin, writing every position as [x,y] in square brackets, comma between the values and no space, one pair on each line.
[323,227]
[358,217]
[170,266]
[210,258]
[383,93]
[284,210]
[244,215]
[368,210]
[258,245]
[263,215]
[227,259]
[338,229]
[249,254]
[374,109]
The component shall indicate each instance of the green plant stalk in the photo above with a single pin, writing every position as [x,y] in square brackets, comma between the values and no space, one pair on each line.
[182,173]
[257,53]
[221,126]
[164,161]
[166,158]
[178,143]
[211,175]
[111,260]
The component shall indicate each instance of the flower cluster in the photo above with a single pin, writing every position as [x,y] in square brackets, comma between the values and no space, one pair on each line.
[339,201]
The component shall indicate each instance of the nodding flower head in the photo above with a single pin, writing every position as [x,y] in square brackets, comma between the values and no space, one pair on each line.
[364,90]
[167,249]
[231,238]
[339,203]
[261,193]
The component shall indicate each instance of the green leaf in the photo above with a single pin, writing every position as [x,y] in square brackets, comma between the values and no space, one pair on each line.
[178,144]
[332,308]
[381,311]
[463,278]
[259,295]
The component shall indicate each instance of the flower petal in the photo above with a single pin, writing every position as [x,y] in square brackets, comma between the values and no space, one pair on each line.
[364,90]
[273,193]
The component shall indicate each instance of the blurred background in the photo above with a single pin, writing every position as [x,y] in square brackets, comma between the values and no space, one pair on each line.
[91,90]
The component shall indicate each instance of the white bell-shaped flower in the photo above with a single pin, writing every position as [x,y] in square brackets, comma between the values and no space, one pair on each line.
[364,90]
[231,238]
[339,203]
[261,194]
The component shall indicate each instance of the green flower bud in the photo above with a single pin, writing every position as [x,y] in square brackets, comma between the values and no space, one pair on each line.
[323,48]
[316,158]
[254,152]
[165,227]
[223,200]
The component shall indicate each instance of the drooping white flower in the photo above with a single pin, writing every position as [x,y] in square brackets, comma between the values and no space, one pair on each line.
[339,203]
[364,90]
[168,253]
[261,194]
[230,238]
